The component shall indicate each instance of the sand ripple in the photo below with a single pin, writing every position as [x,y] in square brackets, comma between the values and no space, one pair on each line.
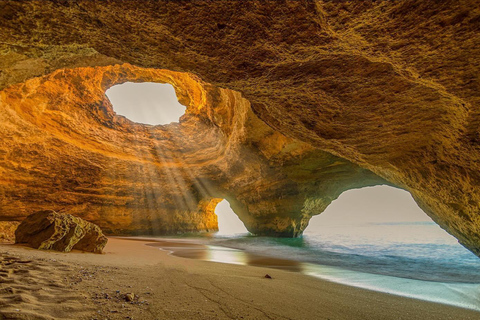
[38,289]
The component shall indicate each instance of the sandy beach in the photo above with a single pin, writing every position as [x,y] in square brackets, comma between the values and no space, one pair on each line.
[50,285]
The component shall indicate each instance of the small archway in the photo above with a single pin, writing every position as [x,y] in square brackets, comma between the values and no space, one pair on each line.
[146,102]
[228,222]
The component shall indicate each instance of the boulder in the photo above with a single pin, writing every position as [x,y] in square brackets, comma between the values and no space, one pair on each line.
[50,230]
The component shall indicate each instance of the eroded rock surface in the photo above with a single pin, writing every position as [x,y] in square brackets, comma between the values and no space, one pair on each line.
[65,147]
[49,230]
[389,89]
[7,231]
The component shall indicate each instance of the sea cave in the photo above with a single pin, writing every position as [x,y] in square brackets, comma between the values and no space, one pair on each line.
[126,126]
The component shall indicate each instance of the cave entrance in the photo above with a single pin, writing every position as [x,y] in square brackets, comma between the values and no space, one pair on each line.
[382,230]
[370,205]
[146,102]
[228,222]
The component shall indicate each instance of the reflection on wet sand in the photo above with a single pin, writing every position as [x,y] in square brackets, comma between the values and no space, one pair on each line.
[225,255]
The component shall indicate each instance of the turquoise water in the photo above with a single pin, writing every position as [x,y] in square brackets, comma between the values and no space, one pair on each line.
[419,250]
[464,295]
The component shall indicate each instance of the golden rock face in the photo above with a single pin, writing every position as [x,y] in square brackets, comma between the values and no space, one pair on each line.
[64,147]
[304,100]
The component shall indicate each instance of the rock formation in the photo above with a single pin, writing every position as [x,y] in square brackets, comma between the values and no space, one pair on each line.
[298,101]
[75,153]
[49,230]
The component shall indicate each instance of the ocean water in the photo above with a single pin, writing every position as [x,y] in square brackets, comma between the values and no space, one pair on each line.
[413,250]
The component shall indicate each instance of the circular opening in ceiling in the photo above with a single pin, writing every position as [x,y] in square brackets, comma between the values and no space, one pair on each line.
[147,102]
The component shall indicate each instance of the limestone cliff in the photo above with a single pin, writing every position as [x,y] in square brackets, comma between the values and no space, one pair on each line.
[374,90]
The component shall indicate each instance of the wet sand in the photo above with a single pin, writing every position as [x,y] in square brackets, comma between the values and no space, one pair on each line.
[49,285]
[191,250]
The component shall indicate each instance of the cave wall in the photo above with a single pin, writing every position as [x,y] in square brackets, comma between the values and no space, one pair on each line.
[391,87]
[65,149]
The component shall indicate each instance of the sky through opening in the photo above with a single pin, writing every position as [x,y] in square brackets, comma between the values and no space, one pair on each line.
[147,102]
[228,221]
[381,208]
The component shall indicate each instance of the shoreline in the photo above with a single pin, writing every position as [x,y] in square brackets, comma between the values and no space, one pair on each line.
[463,295]
[84,286]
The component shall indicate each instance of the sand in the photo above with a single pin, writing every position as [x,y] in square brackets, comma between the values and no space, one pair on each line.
[49,285]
